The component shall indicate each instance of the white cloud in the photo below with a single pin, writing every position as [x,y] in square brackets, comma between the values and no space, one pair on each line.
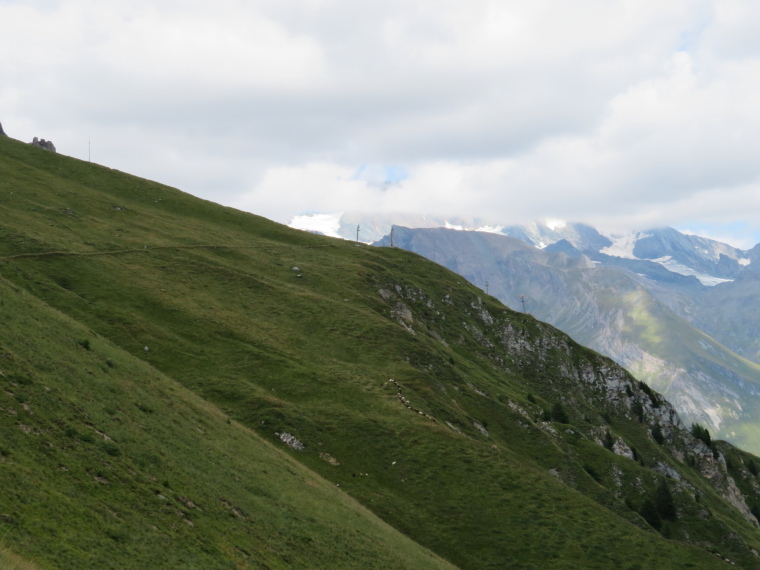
[608,111]
[314,187]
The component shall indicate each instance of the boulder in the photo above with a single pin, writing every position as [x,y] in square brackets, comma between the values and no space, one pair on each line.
[43,144]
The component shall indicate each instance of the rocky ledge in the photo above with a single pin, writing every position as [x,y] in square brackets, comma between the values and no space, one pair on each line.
[43,144]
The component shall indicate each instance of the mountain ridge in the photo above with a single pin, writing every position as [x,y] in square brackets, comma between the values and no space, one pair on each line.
[129,301]
[622,313]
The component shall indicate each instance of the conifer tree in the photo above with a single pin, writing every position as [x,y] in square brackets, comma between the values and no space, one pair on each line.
[657,434]
[666,506]
[701,433]
[648,512]
[559,414]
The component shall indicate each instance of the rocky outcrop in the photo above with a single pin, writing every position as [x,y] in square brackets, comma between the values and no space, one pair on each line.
[290,440]
[43,144]
[586,384]
[2,132]
[635,311]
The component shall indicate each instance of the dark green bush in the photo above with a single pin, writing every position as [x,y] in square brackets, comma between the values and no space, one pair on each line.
[593,472]
[666,506]
[559,414]
[701,433]
[110,448]
[648,512]
[657,434]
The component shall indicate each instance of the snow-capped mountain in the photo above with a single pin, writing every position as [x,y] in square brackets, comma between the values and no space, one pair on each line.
[708,261]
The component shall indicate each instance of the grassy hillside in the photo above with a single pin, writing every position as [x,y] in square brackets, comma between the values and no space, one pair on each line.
[186,385]
[12,561]
[107,463]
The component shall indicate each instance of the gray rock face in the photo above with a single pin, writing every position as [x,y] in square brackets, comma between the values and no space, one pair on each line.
[582,385]
[43,144]
[2,132]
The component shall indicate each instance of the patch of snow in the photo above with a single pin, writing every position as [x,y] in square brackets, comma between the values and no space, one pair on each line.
[553,224]
[449,226]
[744,262]
[709,281]
[491,229]
[675,267]
[327,224]
[541,245]
[622,245]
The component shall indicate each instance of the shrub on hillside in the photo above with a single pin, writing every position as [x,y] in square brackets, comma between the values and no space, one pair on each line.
[648,512]
[663,499]
[657,434]
[701,433]
[559,414]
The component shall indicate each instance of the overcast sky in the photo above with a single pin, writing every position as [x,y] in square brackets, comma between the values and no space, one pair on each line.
[621,113]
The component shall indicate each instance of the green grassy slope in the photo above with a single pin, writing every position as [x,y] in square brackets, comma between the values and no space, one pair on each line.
[178,328]
[106,462]
[11,561]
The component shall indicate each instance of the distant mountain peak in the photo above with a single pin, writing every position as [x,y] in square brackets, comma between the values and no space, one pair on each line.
[554,224]
[709,261]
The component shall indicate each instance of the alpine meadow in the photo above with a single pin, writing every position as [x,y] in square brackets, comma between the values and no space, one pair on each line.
[185,385]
